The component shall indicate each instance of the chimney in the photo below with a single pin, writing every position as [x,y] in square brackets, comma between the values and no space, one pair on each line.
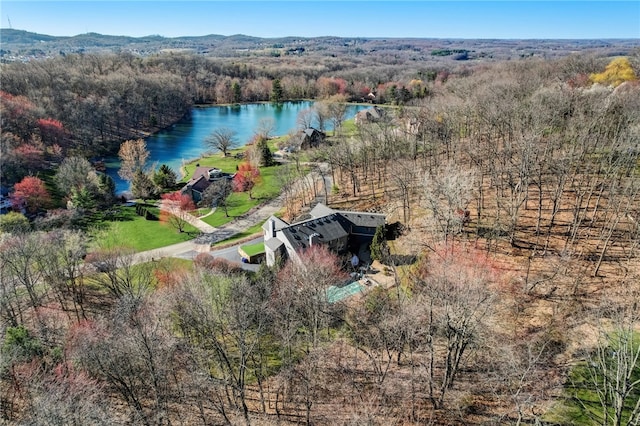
[313,239]
[272,228]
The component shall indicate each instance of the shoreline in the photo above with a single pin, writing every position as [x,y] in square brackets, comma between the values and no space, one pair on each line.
[180,164]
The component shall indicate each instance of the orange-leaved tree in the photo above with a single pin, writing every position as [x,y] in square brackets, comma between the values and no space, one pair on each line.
[246,178]
[175,209]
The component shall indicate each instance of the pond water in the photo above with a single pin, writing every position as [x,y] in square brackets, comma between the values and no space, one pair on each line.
[184,141]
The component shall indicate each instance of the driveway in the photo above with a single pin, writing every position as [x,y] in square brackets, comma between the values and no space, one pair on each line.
[211,235]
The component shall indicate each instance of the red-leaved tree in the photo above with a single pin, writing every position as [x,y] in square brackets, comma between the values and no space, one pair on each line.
[52,131]
[31,194]
[18,115]
[246,178]
[175,209]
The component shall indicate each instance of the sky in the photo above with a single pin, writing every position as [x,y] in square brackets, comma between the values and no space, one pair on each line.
[542,19]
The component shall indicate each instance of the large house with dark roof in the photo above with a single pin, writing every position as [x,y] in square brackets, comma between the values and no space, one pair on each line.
[370,115]
[200,181]
[342,231]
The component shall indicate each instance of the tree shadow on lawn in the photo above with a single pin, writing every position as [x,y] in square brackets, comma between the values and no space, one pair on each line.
[101,219]
[233,209]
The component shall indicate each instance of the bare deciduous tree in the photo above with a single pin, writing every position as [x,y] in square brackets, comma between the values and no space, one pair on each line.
[222,139]
[448,192]
[132,351]
[69,397]
[458,298]
[266,127]
[134,155]
[305,119]
[20,272]
[61,263]
[117,271]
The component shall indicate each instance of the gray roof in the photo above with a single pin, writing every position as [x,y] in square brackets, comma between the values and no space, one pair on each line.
[309,131]
[279,223]
[274,244]
[328,225]
[370,220]
[329,228]
[321,210]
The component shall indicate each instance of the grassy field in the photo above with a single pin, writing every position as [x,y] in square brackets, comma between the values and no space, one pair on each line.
[348,128]
[239,203]
[227,164]
[124,227]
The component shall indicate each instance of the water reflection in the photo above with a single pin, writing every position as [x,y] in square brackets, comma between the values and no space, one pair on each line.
[184,141]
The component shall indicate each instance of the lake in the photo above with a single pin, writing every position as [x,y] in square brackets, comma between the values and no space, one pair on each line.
[184,141]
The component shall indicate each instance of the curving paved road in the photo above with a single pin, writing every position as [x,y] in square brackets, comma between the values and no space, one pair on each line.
[211,235]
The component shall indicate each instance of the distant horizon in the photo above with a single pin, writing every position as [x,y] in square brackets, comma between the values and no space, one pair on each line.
[329,35]
[465,20]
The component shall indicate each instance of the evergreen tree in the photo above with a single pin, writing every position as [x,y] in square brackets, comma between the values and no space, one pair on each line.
[106,189]
[165,178]
[82,198]
[266,156]
[142,186]
[276,91]
[379,247]
[237,92]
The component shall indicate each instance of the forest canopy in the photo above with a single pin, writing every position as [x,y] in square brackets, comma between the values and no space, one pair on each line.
[510,285]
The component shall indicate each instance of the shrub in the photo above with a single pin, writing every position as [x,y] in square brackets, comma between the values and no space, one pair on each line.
[216,265]
[19,342]
[59,219]
[14,223]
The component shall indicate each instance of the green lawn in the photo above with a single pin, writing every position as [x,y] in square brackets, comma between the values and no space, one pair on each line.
[590,384]
[348,128]
[239,202]
[254,230]
[226,164]
[126,228]
[200,211]
[253,249]
[275,141]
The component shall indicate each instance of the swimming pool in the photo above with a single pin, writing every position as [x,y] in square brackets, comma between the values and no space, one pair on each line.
[336,294]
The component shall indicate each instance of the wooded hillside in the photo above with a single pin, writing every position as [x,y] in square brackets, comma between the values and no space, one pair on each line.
[509,295]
